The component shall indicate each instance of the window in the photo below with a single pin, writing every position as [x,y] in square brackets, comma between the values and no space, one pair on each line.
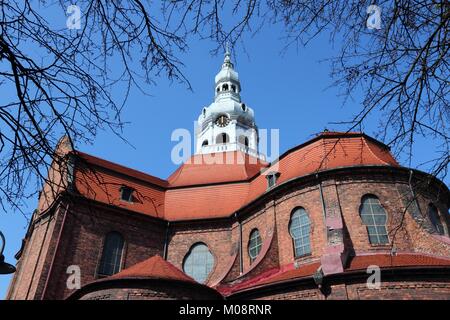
[233,88]
[433,214]
[111,259]
[254,244]
[300,228]
[374,217]
[198,262]
[272,178]
[225,87]
[243,140]
[126,194]
[222,138]
[205,143]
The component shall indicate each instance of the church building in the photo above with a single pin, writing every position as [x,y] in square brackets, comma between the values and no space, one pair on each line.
[336,217]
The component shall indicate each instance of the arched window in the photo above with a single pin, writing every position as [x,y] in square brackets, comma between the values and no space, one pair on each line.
[222,138]
[254,244]
[374,217]
[233,88]
[225,87]
[433,214]
[205,143]
[300,228]
[218,89]
[111,260]
[243,140]
[198,262]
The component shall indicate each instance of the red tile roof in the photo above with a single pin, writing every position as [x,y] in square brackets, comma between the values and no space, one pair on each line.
[153,268]
[102,184]
[121,169]
[289,272]
[200,189]
[216,168]
[205,202]
[399,260]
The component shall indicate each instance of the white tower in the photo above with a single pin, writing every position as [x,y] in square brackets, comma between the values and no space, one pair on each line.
[227,124]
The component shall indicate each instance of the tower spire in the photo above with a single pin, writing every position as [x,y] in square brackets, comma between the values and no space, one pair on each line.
[227,57]
[227,124]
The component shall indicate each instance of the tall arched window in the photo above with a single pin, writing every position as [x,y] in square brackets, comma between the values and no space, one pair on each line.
[300,228]
[198,262]
[433,214]
[222,138]
[243,140]
[111,260]
[374,218]
[254,244]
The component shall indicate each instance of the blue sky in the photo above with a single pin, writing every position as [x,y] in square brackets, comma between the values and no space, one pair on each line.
[287,92]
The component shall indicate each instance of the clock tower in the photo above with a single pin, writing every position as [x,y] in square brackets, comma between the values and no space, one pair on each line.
[227,124]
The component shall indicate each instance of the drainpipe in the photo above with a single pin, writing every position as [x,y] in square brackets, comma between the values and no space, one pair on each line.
[54,255]
[166,245]
[322,200]
[241,261]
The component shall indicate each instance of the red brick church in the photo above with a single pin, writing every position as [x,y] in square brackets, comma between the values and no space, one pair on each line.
[227,224]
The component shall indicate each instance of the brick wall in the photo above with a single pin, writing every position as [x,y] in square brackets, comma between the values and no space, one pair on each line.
[151,290]
[389,290]
[86,226]
[29,279]
[217,235]
[309,199]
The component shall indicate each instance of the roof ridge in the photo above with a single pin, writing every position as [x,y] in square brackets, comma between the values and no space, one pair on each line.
[374,154]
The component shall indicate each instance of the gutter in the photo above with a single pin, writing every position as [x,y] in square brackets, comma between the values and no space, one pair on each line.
[241,258]
[322,200]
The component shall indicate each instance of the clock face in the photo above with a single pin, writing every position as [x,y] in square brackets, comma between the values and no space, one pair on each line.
[222,121]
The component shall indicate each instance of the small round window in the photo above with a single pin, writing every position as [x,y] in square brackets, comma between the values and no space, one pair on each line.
[254,244]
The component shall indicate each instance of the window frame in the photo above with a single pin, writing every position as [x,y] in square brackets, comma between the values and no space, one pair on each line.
[189,253]
[98,274]
[440,232]
[122,189]
[376,226]
[272,176]
[258,245]
[305,254]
